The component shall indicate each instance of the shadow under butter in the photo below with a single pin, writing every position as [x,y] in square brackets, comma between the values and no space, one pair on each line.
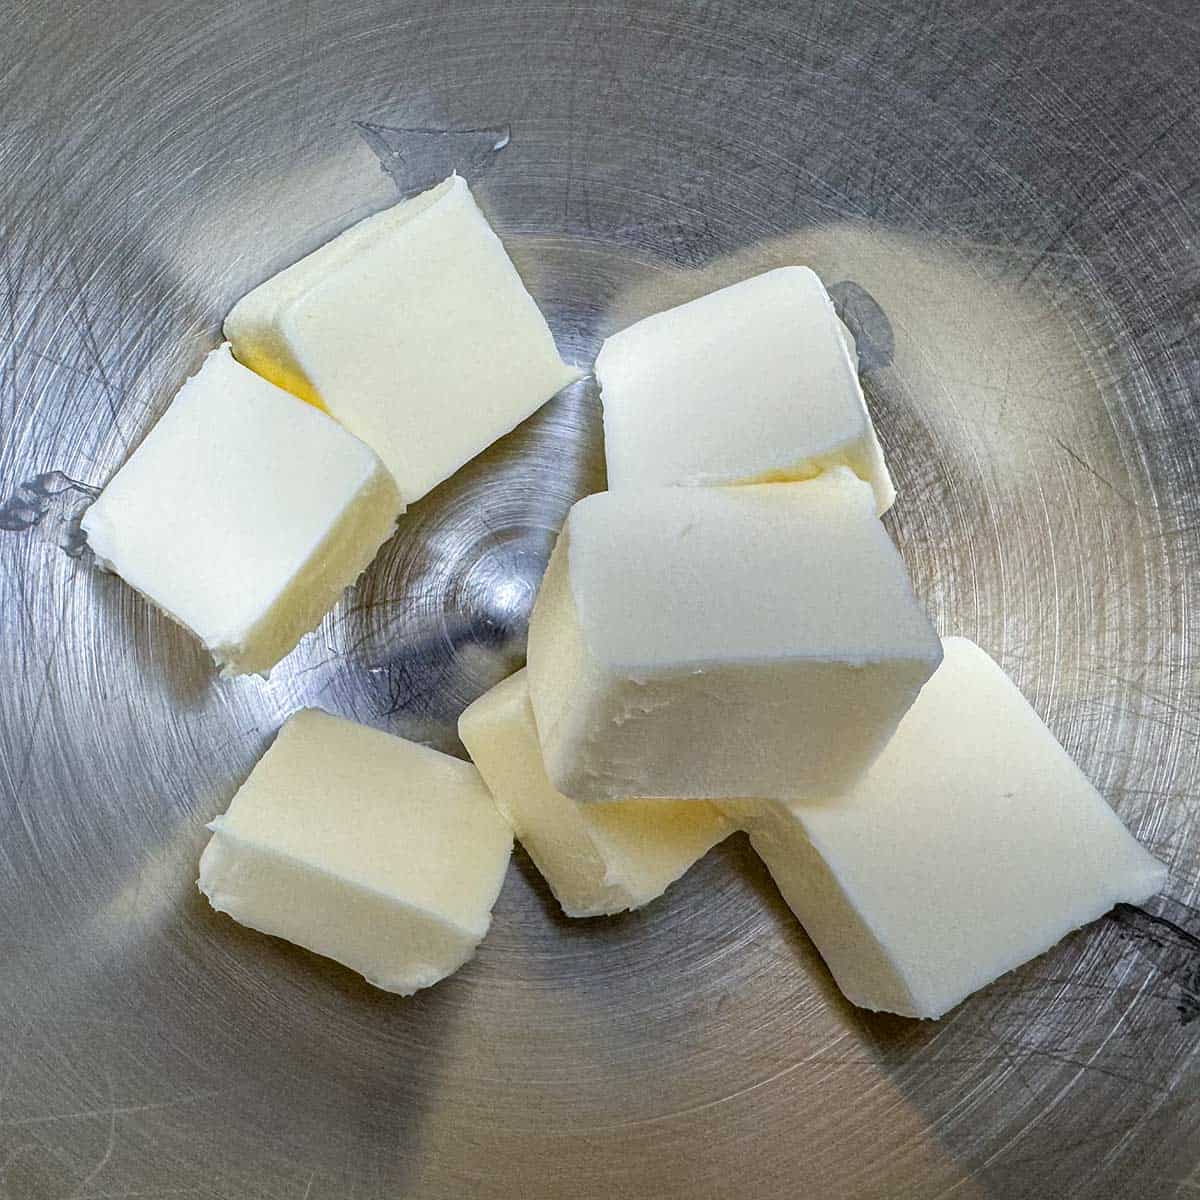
[131,627]
[359,1068]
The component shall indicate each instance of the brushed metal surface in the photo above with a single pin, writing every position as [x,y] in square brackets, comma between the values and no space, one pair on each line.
[1006,195]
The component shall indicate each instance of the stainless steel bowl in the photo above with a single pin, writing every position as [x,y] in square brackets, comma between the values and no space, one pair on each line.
[1006,196]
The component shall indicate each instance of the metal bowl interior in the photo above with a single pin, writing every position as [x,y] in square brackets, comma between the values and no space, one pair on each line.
[1005,197]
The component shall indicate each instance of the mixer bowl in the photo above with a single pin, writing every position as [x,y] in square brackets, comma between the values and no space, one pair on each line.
[1003,199]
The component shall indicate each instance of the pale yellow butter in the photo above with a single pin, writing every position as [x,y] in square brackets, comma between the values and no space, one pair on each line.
[701,643]
[972,844]
[244,514]
[597,858]
[756,382]
[413,329]
[372,850]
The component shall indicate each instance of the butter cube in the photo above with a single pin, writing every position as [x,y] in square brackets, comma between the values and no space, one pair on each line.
[413,329]
[972,844]
[702,643]
[243,515]
[753,383]
[366,848]
[597,858]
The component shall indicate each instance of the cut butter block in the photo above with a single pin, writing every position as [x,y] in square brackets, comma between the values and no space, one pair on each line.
[973,844]
[369,849]
[413,329]
[597,858]
[701,643]
[243,514]
[753,383]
